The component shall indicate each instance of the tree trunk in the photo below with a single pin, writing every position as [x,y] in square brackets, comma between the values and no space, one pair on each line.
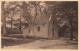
[11,25]
[20,23]
[56,27]
[35,19]
[4,18]
[71,35]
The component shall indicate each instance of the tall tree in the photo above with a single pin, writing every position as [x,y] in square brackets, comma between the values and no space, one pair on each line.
[3,17]
[52,8]
[70,13]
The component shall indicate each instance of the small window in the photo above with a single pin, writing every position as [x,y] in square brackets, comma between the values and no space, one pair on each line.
[39,28]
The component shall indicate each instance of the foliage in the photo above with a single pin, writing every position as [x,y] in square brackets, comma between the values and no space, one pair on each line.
[32,13]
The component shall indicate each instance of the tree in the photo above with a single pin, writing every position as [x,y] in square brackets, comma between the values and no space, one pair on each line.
[65,12]
[70,13]
[3,17]
[11,10]
[52,9]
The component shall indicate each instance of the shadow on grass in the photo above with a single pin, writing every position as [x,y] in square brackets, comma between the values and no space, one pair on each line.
[65,45]
[71,43]
[10,42]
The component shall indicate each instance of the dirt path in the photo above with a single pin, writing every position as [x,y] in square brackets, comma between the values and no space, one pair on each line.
[46,44]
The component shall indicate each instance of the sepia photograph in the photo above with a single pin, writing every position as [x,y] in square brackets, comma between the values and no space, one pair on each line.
[39,25]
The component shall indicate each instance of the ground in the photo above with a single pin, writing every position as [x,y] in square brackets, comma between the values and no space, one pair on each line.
[61,43]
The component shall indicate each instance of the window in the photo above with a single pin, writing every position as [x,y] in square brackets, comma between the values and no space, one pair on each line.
[38,28]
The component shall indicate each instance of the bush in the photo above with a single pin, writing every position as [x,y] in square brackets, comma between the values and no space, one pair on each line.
[14,31]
